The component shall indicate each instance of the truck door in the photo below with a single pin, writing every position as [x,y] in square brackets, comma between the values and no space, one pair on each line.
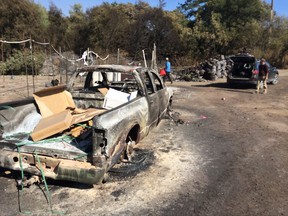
[163,95]
[153,100]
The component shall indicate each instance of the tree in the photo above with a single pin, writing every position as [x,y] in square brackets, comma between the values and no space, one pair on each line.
[77,30]
[162,4]
[153,26]
[57,27]
[216,27]
[19,21]
[106,24]
[197,30]
[22,19]
[277,50]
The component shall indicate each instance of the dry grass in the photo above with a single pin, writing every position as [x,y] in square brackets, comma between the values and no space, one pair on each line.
[21,87]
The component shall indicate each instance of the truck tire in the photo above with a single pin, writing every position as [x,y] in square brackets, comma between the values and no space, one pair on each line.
[276,79]
[122,145]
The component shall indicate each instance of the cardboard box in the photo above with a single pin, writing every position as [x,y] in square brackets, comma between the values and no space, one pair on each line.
[53,100]
[58,112]
[52,125]
[103,90]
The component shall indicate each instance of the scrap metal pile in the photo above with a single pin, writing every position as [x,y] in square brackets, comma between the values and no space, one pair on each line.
[211,69]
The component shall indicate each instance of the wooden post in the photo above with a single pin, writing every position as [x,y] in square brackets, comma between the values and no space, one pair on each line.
[59,67]
[27,77]
[118,62]
[145,63]
[154,58]
[3,62]
[66,72]
[118,56]
[32,64]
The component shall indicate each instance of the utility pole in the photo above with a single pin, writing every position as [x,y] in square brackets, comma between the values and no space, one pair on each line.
[271,16]
[271,23]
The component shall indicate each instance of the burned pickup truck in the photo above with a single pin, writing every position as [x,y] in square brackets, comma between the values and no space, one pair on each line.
[79,131]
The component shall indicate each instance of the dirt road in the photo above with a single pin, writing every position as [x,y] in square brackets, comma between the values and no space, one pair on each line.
[229,157]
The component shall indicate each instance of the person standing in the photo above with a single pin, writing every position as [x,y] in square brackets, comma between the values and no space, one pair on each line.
[168,70]
[262,76]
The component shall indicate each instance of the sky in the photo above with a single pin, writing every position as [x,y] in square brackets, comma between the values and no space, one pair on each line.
[280,6]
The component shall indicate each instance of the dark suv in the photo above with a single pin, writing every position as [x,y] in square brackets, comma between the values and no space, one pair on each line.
[245,70]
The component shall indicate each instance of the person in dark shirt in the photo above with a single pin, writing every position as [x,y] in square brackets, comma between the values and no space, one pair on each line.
[262,76]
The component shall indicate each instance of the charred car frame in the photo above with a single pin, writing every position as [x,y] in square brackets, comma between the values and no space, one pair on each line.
[126,102]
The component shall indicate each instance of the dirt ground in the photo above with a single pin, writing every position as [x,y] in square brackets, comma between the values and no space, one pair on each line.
[229,157]
[19,87]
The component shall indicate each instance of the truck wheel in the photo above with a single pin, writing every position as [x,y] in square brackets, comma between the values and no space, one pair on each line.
[128,152]
[276,79]
[123,151]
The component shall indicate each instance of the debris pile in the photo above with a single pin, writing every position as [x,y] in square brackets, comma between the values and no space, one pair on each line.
[175,116]
[211,69]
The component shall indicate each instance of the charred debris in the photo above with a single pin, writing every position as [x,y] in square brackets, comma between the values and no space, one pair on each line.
[210,69]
